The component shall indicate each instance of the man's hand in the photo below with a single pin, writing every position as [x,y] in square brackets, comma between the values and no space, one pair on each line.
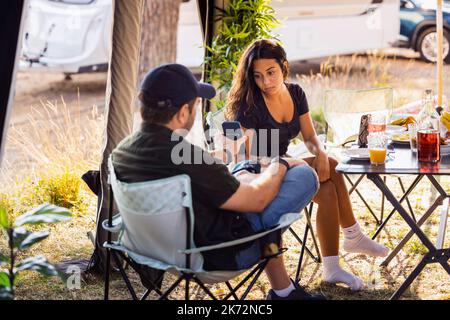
[294,162]
[245,176]
[322,166]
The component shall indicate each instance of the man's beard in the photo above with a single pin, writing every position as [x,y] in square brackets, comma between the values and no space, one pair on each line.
[190,123]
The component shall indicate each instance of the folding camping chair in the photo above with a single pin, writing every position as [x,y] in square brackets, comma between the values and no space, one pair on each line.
[343,109]
[214,121]
[155,227]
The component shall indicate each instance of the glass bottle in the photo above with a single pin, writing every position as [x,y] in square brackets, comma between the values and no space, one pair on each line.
[428,116]
[428,135]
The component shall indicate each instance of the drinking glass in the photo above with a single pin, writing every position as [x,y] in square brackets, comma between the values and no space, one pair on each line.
[377,123]
[428,145]
[377,148]
[412,131]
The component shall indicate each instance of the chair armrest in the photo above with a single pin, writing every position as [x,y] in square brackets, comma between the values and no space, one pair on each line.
[116,224]
[285,221]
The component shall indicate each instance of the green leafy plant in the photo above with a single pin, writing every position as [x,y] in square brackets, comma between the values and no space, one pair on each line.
[241,23]
[319,119]
[20,239]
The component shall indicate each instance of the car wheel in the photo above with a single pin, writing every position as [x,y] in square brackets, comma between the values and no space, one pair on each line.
[427,45]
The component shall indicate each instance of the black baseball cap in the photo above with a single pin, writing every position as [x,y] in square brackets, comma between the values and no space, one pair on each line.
[173,85]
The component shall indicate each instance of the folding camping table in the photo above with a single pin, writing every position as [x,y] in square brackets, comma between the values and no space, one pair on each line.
[404,162]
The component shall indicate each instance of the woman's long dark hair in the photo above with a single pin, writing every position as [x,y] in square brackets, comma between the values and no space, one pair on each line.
[243,86]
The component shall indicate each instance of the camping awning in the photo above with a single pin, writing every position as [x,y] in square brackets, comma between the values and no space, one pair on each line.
[11,23]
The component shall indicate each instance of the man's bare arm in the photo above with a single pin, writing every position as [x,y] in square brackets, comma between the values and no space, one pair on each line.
[255,195]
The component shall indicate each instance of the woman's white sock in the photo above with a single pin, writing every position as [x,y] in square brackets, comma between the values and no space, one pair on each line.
[355,241]
[333,273]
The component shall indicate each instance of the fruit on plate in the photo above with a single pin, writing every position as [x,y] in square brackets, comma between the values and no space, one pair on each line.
[445,119]
[400,137]
[404,121]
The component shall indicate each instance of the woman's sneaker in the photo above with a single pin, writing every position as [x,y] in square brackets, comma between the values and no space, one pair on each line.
[298,294]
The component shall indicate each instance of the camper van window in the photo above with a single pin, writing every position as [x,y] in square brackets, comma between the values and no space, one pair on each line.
[74,1]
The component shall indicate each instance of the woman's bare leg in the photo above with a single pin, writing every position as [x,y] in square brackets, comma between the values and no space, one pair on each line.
[355,240]
[346,216]
[327,221]
[328,216]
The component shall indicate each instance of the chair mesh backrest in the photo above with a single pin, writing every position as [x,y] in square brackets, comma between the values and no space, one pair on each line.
[343,109]
[154,218]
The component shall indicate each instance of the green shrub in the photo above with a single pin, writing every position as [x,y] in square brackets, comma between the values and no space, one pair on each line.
[318,118]
[61,189]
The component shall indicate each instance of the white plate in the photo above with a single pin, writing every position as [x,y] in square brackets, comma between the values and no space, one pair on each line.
[397,141]
[392,129]
[357,154]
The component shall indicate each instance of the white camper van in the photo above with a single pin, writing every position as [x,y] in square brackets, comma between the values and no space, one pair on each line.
[71,36]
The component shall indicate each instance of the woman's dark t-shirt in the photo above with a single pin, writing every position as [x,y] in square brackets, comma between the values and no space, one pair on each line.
[259,118]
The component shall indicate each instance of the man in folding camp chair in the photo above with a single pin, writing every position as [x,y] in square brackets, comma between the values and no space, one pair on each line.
[226,207]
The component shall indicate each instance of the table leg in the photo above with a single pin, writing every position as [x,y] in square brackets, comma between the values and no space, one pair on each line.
[379,183]
[382,202]
[353,188]
[442,224]
[405,196]
[354,184]
[408,236]
[437,186]
[417,270]
[414,227]
[407,200]
[444,212]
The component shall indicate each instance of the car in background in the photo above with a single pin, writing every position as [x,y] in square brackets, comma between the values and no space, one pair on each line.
[418,28]
[68,36]
[72,36]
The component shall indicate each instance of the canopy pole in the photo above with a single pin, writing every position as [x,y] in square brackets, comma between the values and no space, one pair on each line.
[440,52]
[120,95]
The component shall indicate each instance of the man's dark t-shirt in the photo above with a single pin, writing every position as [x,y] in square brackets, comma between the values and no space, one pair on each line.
[154,152]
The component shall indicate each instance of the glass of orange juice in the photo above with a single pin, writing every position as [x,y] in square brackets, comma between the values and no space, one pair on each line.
[377,148]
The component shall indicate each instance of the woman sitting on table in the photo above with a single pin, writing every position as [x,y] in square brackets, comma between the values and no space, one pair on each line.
[260,98]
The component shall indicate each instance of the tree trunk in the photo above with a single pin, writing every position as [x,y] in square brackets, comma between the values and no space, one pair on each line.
[159,34]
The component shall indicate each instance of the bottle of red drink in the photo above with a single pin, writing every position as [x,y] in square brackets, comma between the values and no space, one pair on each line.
[428,136]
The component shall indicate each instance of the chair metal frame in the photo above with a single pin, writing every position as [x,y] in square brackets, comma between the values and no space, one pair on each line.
[189,278]
[316,258]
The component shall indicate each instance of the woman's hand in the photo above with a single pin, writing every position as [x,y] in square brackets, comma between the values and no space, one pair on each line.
[230,146]
[322,166]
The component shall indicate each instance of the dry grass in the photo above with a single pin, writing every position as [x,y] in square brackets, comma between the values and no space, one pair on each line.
[58,140]
[44,160]
[51,151]
[408,77]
